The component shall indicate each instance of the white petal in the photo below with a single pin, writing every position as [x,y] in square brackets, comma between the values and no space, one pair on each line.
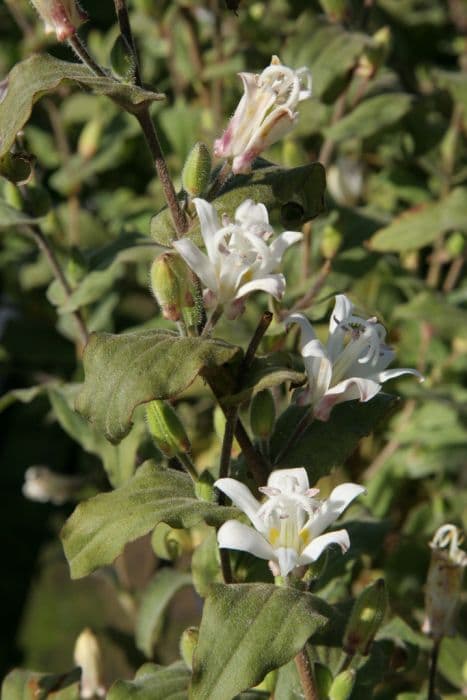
[277,124]
[235,535]
[241,496]
[332,507]
[250,213]
[318,368]
[392,373]
[209,223]
[313,551]
[281,243]
[198,261]
[280,479]
[271,284]
[343,308]
[351,389]
[307,332]
[287,559]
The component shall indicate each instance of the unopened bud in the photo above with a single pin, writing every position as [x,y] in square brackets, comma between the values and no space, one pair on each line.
[375,54]
[174,286]
[166,429]
[188,642]
[342,685]
[455,244]
[444,582]
[60,16]
[16,167]
[122,59]
[336,10]
[365,619]
[262,414]
[169,542]
[197,170]
[90,138]
[331,241]
[88,656]
[204,487]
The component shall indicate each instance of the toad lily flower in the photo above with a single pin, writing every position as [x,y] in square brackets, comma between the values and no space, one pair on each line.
[238,259]
[265,113]
[288,525]
[352,365]
[60,16]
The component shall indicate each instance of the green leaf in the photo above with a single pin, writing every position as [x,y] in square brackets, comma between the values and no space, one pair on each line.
[452,660]
[318,449]
[422,225]
[154,601]
[448,320]
[370,117]
[298,192]
[253,629]
[205,565]
[265,373]
[154,682]
[13,217]
[24,395]
[29,80]
[21,684]
[99,528]
[123,371]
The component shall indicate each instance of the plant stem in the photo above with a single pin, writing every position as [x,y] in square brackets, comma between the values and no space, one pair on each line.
[221,178]
[85,57]
[261,328]
[453,274]
[152,140]
[305,671]
[348,658]
[44,247]
[303,424]
[309,297]
[256,462]
[121,11]
[212,319]
[433,666]
[188,465]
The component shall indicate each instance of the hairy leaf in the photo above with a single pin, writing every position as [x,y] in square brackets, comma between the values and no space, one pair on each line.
[123,371]
[253,629]
[154,682]
[99,528]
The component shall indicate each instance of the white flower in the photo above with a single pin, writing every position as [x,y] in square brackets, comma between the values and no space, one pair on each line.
[289,524]
[265,113]
[60,16]
[43,485]
[352,365]
[87,655]
[238,259]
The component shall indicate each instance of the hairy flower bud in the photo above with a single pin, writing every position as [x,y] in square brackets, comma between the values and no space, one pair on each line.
[342,685]
[188,642]
[166,429]
[169,542]
[60,16]
[197,170]
[444,582]
[365,619]
[174,287]
[122,59]
[262,414]
[87,655]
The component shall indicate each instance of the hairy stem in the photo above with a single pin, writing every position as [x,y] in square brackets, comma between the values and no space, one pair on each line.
[188,465]
[433,665]
[305,672]
[121,11]
[85,57]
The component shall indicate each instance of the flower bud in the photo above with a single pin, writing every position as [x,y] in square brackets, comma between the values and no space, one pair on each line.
[169,542]
[331,241]
[188,642]
[197,170]
[122,60]
[444,582]
[88,656]
[166,429]
[90,138]
[342,685]
[174,286]
[262,414]
[366,617]
[60,16]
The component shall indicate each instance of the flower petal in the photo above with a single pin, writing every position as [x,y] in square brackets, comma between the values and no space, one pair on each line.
[392,373]
[316,547]
[241,496]
[235,535]
[209,223]
[280,479]
[280,245]
[287,559]
[351,389]
[341,497]
[307,332]
[198,261]
[271,284]
[249,213]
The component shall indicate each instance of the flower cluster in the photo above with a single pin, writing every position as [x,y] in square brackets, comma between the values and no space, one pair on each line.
[352,365]
[238,259]
[60,16]
[266,113]
[288,526]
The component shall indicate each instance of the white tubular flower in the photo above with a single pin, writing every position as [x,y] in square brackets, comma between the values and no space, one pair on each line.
[352,365]
[289,524]
[266,113]
[60,16]
[45,486]
[88,656]
[238,259]
[444,582]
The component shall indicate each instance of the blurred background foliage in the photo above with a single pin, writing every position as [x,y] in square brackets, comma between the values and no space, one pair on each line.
[388,120]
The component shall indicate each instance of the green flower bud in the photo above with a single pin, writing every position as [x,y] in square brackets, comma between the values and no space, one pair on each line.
[197,170]
[342,685]
[166,429]
[262,414]
[16,167]
[336,10]
[122,60]
[455,244]
[188,642]
[331,241]
[365,619]
[170,543]
[89,138]
[174,286]
[204,487]
[323,679]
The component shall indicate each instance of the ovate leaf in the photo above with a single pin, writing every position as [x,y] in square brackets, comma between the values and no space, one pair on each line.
[370,117]
[123,371]
[154,682]
[253,629]
[99,528]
